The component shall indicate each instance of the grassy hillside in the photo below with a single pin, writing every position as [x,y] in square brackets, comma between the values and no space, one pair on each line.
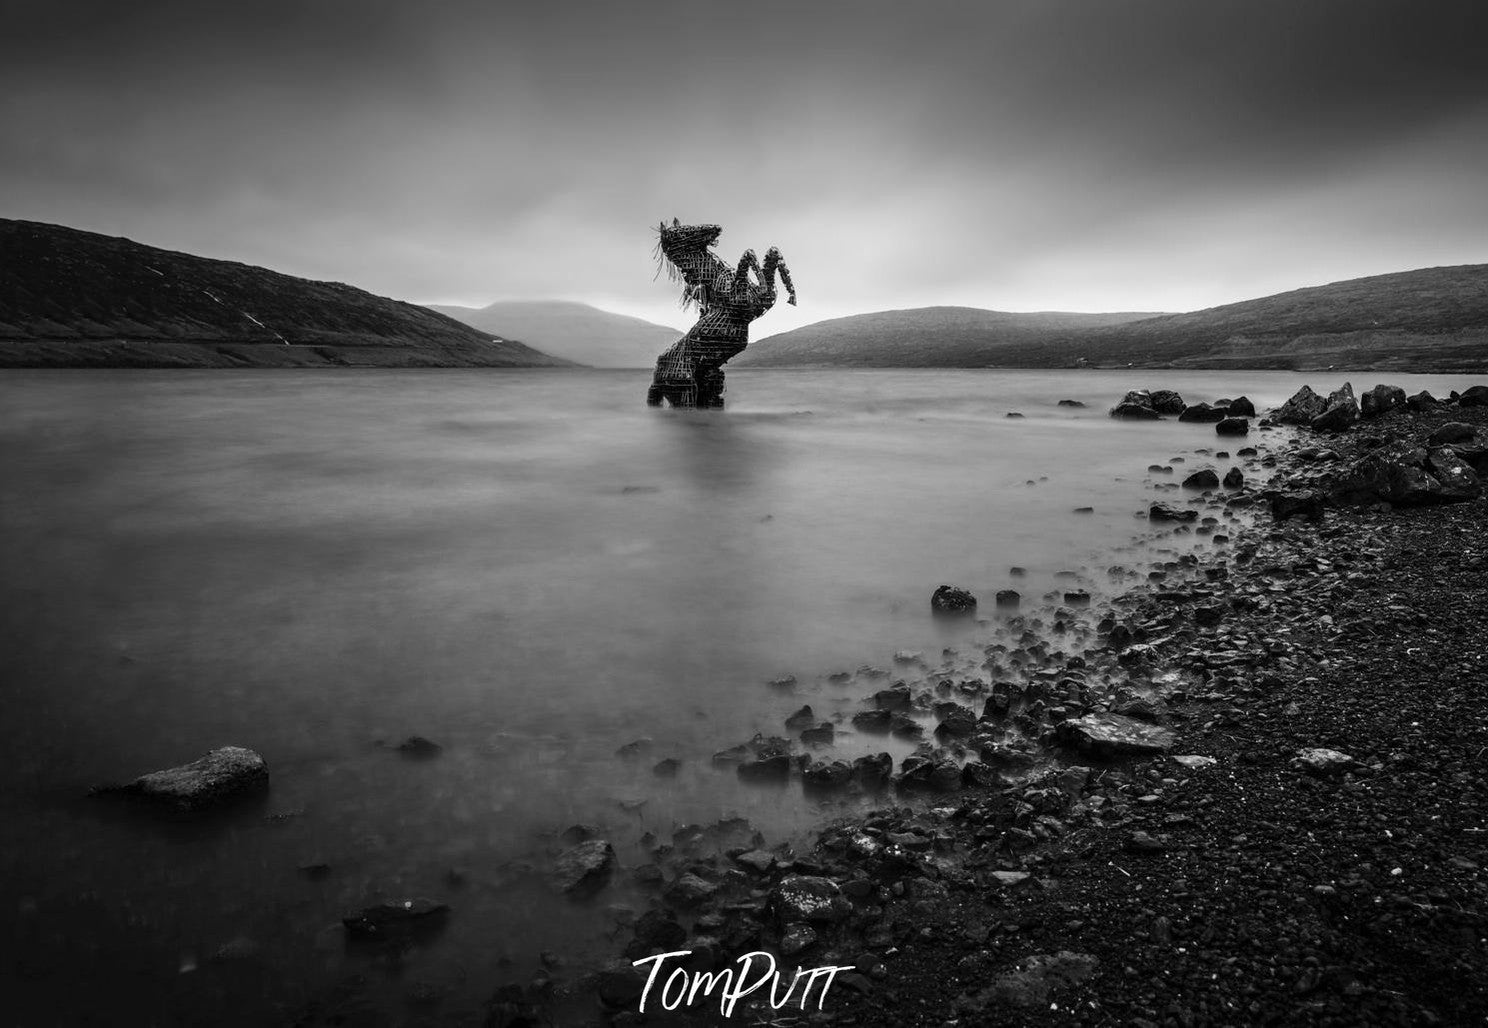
[923,337]
[77,299]
[575,331]
[1433,319]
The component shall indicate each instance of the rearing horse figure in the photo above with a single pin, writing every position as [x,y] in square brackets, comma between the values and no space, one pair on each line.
[690,374]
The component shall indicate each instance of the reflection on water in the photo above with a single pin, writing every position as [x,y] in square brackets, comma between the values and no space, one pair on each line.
[529,568]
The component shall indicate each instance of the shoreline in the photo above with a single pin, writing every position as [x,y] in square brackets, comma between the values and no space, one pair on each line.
[1258,888]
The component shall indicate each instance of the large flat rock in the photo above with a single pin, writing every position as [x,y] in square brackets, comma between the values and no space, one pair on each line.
[1114,735]
[221,775]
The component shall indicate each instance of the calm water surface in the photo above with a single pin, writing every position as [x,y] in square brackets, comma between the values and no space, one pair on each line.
[531,569]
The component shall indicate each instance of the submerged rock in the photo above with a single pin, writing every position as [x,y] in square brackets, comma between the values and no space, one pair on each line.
[1112,735]
[222,774]
[1202,412]
[1233,426]
[1164,512]
[583,868]
[396,918]
[950,600]
[417,747]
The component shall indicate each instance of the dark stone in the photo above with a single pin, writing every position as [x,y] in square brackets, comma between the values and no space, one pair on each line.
[1008,598]
[1136,411]
[1381,400]
[1407,475]
[897,698]
[801,718]
[656,931]
[1202,412]
[1205,478]
[1166,401]
[1164,512]
[1233,426]
[800,899]
[1452,432]
[1340,412]
[396,918]
[221,775]
[583,868]
[956,721]
[418,748]
[1070,403]
[872,720]
[1112,735]
[774,768]
[1301,408]
[832,775]
[819,735]
[1473,396]
[1234,478]
[667,768]
[950,600]
[1422,401]
[1241,407]
[873,770]
[1306,504]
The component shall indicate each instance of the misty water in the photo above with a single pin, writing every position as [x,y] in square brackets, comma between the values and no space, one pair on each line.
[529,568]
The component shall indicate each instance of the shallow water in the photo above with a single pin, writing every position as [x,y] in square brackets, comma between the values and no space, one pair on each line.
[531,569]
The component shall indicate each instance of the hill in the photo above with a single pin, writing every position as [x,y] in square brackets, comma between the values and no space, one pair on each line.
[1433,319]
[78,299]
[575,331]
[954,337]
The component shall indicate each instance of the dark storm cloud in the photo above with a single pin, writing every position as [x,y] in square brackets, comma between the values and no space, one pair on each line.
[1021,155]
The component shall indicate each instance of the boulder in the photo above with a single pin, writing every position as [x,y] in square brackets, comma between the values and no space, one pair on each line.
[1070,403]
[950,600]
[774,768]
[396,918]
[933,775]
[1408,475]
[1452,432]
[1164,512]
[872,720]
[802,718]
[833,775]
[1340,412]
[1112,735]
[1473,396]
[1136,404]
[583,868]
[1166,401]
[1203,413]
[1233,426]
[957,721]
[1204,478]
[1422,401]
[1241,407]
[1381,400]
[1300,503]
[1301,408]
[1234,479]
[897,698]
[221,775]
[873,770]
[1008,598]
[800,899]
[690,890]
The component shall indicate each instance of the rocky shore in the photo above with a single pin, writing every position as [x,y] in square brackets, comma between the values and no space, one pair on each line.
[1266,805]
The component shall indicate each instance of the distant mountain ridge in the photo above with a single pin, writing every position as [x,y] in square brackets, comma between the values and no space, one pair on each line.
[1431,319]
[575,331]
[921,337]
[70,298]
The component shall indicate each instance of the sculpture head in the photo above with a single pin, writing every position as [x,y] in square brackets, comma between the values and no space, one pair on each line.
[680,239]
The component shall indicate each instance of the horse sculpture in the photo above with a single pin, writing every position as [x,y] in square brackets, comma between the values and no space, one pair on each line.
[690,374]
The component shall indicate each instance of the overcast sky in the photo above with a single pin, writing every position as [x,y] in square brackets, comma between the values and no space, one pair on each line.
[1040,155]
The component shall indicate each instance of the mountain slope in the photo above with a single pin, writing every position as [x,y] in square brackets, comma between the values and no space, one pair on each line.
[77,299]
[922,337]
[1432,319]
[575,331]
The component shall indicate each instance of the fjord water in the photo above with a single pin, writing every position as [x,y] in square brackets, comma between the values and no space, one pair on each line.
[529,568]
